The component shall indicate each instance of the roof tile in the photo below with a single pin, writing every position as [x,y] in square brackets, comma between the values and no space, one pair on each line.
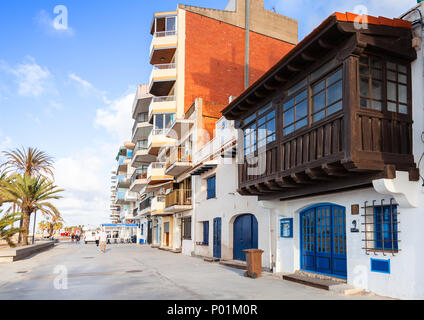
[351,17]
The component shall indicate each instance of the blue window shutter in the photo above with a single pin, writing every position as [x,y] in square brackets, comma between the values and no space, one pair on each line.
[211,186]
[379,265]
[206,232]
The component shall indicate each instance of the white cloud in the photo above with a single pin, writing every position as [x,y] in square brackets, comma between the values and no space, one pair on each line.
[5,143]
[310,13]
[116,117]
[86,88]
[85,176]
[32,79]
[52,28]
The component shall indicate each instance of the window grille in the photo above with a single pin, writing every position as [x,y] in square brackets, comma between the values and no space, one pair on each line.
[186,222]
[381,228]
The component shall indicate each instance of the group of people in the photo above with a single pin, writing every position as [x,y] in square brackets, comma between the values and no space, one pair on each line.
[76,237]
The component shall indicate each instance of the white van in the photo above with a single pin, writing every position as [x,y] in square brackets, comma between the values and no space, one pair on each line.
[90,236]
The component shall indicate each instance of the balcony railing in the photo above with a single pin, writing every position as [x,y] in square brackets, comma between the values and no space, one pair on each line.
[179,154]
[139,174]
[164,66]
[141,117]
[159,100]
[161,34]
[164,99]
[141,145]
[145,204]
[178,197]
[154,166]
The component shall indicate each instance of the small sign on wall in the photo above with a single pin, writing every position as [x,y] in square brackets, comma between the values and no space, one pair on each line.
[355,209]
[286,228]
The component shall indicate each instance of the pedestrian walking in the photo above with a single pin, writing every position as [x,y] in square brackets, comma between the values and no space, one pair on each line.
[103,240]
[97,238]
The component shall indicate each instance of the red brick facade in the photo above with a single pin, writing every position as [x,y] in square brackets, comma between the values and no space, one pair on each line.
[214,61]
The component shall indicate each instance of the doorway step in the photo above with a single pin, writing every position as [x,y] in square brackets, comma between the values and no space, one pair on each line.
[177,250]
[323,282]
[165,249]
[242,265]
[207,259]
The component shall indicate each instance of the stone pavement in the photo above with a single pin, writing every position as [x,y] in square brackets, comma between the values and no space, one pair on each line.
[127,272]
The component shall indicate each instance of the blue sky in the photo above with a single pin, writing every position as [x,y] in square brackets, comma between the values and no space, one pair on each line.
[70,92]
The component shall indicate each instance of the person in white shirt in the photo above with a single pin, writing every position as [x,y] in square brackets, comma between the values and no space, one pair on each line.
[103,240]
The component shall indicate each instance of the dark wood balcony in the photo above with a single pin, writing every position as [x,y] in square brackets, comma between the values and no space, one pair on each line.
[356,140]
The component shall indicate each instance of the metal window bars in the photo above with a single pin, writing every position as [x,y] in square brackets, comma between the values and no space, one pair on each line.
[381,228]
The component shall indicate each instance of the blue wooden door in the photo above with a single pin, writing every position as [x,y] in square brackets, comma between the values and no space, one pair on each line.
[339,241]
[307,222]
[217,238]
[245,235]
[323,240]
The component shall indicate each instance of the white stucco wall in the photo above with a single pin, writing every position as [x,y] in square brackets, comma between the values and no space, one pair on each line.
[405,280]
[143,221]
[228,205]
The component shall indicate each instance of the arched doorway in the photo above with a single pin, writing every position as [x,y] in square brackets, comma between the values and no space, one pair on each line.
[245,235]
[323,240]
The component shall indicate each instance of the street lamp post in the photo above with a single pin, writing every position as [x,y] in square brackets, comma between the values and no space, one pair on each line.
[33,230]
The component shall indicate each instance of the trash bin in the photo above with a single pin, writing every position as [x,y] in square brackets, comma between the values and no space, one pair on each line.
[254,263]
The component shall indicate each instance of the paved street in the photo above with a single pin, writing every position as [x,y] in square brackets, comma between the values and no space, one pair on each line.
[134,272]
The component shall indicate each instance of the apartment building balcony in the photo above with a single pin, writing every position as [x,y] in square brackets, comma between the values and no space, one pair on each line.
[157,140]
[141,101]
[156,174]
[178,201]
[141,154]
[141,127]
[144,207]
[158,206]
[164,42]
[179,128]
[179,160]
[162,104]
[123,181]
[123,162]
[120,197]
[138,180]
[130,196]
[163,47]
[162,79]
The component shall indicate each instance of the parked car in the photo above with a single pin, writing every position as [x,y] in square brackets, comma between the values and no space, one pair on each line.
[90,236]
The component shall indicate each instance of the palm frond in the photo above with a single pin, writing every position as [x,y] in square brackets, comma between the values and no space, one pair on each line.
[29,161]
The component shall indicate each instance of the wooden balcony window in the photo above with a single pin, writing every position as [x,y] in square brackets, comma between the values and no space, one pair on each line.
[179,197]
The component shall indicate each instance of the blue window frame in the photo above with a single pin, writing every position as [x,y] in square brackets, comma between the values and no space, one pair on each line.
[206,233]
[386,230]
[211,188]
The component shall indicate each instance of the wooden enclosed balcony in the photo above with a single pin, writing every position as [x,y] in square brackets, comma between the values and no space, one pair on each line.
[178,201]
[334,114]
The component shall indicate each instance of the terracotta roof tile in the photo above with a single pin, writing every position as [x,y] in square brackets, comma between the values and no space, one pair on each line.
[350,17]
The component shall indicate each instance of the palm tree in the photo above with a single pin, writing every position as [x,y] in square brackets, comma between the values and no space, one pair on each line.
[53,225]
[29,161]
[31,194]
[8,220]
